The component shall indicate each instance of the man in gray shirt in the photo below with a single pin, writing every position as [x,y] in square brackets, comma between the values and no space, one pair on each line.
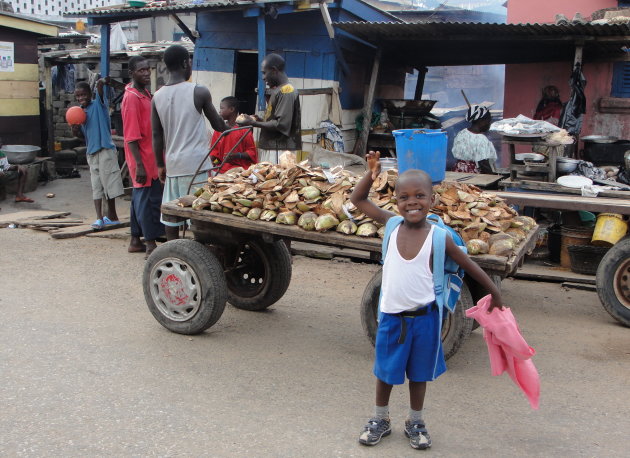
[280,129]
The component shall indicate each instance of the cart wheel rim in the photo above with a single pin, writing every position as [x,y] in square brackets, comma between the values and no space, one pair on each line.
[175,289]
[621,283]
[446,325]
[248,277]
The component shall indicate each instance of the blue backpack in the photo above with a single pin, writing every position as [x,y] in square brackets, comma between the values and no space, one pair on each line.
[448,277]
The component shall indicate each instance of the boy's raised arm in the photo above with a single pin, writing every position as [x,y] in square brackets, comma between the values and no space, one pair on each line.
[361,191]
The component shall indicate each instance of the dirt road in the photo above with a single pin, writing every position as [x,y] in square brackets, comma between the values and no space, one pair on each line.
[85,369]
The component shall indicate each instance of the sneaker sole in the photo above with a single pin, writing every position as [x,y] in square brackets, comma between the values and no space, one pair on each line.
[386,433]
[419,447]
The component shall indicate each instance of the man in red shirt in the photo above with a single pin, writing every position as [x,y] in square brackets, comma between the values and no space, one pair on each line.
[147,189]
[245,153]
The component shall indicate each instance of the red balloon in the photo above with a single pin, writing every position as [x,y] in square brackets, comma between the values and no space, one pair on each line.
[75,116]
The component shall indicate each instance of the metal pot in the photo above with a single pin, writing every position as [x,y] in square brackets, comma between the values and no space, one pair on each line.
[599,139]
[21,154]
[566,165]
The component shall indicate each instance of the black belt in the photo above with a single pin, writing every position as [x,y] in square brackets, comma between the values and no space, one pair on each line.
[410,314]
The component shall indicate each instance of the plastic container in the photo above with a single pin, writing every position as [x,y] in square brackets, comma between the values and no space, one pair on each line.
[572,236]
[585,259]
[609,229]
[423,149]
[388,163]
[554,242]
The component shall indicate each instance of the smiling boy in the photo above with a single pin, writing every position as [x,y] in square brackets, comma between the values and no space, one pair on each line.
[408,336]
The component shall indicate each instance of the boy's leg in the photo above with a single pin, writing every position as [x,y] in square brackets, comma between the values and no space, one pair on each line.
[98,206]
[97,186]
[21,182]
[417,391]
[111,210]
[383,391]
[135,245]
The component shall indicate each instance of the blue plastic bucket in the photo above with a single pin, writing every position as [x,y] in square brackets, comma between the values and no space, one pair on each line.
[423,149]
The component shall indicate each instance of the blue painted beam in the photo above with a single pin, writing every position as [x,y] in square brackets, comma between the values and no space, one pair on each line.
[256,11]
[105,34]
[262,52]
[366,12]
[345,34]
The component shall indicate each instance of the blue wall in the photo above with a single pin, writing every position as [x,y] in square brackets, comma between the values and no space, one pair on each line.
[300,37]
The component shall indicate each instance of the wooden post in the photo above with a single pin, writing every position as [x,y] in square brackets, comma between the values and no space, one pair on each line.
[422,74]
[48,106]
[262,52]
[105,34]
[367,109]
[154,78]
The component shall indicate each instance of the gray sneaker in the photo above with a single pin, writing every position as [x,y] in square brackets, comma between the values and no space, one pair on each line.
[374,430]
[418,436]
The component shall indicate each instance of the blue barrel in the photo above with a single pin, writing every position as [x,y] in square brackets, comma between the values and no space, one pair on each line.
[423,149]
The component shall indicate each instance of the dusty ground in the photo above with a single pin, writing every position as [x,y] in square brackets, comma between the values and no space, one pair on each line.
[85,369]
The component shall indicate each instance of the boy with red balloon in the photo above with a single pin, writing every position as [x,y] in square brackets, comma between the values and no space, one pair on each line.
[102,156]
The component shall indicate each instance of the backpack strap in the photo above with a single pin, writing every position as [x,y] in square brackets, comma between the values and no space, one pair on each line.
[392,224]
[439,258]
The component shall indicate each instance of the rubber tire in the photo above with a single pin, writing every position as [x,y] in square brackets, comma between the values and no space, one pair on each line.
[278,258]
[211,279]
[606,278]
[460,328]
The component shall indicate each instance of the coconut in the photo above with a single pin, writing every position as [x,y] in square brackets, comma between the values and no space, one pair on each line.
[347,227]
[289,218]
[325,222]
[254,213]
[268,215]
[310,193]
[367,230]
[307,221]
[477,246]
[502,248]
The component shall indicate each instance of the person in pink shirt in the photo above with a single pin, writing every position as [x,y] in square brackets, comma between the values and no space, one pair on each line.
[147,188]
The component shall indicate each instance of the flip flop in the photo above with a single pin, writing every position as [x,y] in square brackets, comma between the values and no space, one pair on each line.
[24,199]
[98,224]
[109,222]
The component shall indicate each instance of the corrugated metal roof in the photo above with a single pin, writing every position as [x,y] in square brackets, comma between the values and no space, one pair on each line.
[175,7]
[395,31]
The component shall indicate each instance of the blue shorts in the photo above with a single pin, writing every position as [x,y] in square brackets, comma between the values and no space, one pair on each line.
[416,356]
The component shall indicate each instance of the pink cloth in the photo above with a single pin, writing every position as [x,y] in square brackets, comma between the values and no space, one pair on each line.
[507,348]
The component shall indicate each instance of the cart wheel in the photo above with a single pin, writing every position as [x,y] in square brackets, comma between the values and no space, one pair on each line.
[613,281]
[184,286]
[455,328]
[261,275]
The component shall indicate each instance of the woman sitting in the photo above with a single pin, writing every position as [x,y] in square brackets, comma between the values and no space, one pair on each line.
[472,149]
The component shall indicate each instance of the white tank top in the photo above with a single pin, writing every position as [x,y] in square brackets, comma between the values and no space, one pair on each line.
[407,284]
[186,139]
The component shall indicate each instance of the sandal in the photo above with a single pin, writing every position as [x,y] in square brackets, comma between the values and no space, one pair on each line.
[24,199]
[97,225]
[109,222]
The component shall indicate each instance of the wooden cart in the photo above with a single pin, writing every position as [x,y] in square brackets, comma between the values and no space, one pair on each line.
[248,264]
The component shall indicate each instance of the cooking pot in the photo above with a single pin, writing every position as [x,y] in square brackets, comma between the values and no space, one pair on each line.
[20,154]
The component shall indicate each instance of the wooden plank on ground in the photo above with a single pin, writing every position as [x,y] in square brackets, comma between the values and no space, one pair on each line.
[118,234]
[18,217]
[83,229]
